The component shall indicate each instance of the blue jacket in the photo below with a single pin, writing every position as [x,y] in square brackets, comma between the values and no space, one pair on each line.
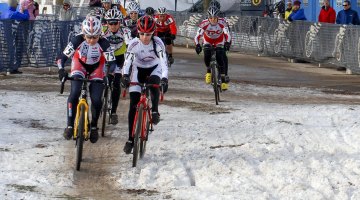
[297,15]
[348,17]
[13,14]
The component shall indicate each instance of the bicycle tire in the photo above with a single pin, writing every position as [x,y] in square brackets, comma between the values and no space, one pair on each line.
[144,139]
[214,80]
[104,111]
[137,134]
[80,137]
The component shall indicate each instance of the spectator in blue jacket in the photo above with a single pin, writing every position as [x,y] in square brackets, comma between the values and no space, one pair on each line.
[297,12]
[348,15]
[12,13]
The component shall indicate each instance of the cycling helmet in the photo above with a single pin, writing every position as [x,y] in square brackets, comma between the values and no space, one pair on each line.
[97,12]
[161,10]
[215,3]
[146,24]
[117,2]
[91,26]
[213,11]
[113,14]
[105,1]
[150,11]
[133,7]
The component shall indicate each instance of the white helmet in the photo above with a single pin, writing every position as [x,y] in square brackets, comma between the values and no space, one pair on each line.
[213,11]
[161,10]
[113,14]
[116,2]
[105,1]
[133,7]
[91,26]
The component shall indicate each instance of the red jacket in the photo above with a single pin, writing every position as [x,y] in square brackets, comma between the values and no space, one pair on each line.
[168,25]
[327,16]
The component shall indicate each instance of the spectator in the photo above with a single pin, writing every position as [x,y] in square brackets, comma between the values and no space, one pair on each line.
[327,13]
[297,12]
[288,9]
[66,12]
[33,8]
[12,13]
[347,16]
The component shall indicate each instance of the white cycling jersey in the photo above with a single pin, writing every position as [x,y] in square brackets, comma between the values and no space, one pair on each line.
[213,34]
[139,55]
[118,40]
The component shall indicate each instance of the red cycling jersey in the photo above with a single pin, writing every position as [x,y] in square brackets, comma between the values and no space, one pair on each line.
[168,25]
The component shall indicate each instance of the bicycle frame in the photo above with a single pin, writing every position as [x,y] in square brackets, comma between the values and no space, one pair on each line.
[86,131]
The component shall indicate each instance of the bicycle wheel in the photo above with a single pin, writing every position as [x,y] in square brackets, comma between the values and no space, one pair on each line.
[214,80]
[144,139]
[104,110]
[137,129]
[80,137]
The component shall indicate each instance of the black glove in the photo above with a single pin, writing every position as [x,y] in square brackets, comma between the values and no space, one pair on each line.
[172,37]
[62,74]
[164,84]
[198,49]
[125,81]
[227,46]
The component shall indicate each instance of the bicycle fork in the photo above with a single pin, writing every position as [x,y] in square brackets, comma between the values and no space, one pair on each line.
[86,133]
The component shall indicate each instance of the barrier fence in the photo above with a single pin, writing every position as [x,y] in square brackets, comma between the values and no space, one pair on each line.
[38,43]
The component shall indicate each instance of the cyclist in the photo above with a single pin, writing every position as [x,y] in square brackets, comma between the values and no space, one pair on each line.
[147,58]
[215,33]
[89,53]
[133,9]
[118,38]
[117,4]
[150,11]
[166,30]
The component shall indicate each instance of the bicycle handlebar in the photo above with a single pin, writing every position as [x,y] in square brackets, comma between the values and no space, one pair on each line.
[76,79]
[147,85]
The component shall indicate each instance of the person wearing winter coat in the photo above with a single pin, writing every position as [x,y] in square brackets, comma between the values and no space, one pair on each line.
[348,15]
[297,12]
[327,13]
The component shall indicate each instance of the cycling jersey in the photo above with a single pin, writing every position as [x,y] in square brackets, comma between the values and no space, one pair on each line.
[139,55]
[168,25]
[213,34]
[88,58]
[118,40]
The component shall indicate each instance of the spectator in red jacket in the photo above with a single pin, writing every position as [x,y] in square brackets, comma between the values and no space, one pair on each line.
[327,13]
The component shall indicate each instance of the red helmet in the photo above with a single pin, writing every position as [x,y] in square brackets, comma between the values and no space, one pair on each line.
[146,24]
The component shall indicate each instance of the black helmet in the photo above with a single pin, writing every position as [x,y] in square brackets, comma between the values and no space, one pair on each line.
[150,11]
[215,3]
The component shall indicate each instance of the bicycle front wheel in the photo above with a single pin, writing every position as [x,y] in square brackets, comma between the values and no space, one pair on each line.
[214,79]
[104,110]
[80,137]
[144,139]
[137,134]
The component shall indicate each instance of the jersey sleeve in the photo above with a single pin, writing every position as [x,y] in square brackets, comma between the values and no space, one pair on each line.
[172,26]
[127,35]
[161,51]
[70,49]
[108,51]
[129,57]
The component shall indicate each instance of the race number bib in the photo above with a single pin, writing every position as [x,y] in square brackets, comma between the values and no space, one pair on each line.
[109,56]
[69,50]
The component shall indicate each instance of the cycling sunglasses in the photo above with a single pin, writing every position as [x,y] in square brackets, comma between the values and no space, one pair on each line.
[92,36]
[146,34]
[113,22]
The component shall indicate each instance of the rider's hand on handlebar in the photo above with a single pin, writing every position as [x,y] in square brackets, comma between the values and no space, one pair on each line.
[62,74]
[125,81]
[164,84]
[198,49]
[227,46]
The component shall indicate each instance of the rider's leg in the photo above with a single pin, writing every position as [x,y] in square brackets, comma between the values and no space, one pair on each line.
[96,94]
[207,60]
[73,100]
[226,68]
[169,48]
[220,59]
[134,100]
[116,89]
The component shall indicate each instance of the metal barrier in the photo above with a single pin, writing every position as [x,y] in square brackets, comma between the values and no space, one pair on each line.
[38,43]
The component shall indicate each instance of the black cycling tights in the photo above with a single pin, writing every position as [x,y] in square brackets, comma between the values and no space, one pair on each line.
[96,92]
[219,57]
[135,98]
[115,96]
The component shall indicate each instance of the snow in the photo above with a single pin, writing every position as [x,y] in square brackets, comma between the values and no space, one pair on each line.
[241,149]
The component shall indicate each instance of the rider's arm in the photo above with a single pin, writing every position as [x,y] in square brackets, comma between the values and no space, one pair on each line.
[108,53]
[70,49]
[227,34]
[172,26]
[198,36]
[129,57]
[127,35]
[160,48]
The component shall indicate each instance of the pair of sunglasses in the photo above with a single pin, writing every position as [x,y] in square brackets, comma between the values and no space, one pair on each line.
[92,36]
[113,23]
[146,34]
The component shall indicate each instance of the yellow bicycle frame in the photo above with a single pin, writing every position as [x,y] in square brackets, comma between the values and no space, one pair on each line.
[86,133]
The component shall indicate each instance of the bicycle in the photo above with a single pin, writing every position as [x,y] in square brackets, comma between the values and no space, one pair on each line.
[106,108]
[143,121]
[215,76]
[81,125]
